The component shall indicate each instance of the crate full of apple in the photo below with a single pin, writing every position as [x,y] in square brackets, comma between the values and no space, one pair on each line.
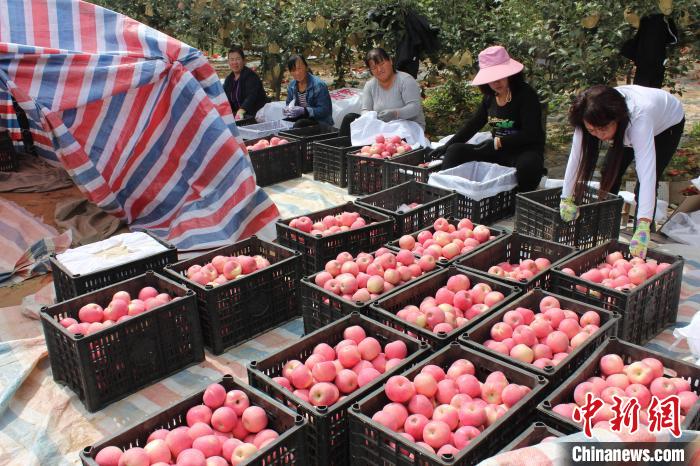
[441,306]
[109,343]
[524,261]
[447,240]
[349,283]
[320,236]
[275,159]
[543,332]
[645,292]
[366,166]
[321,375]
[227,424]
[458,403]
[618,369]
[242,290]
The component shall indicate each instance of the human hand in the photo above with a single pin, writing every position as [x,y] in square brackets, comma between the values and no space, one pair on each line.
[386,115]
[293,112]
[240,114]
[640,240]
[438,153]
[568,210]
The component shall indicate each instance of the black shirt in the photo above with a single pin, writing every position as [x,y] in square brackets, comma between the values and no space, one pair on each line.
[518,123]
[247,92]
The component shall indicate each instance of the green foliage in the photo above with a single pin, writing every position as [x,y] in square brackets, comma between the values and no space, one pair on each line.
[448,106]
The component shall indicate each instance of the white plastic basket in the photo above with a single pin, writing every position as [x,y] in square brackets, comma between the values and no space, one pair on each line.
[260,130]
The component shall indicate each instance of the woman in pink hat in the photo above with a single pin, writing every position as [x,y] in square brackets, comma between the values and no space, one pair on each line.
[512,111]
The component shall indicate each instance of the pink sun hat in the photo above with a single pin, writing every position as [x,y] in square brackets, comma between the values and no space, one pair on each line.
[495,64]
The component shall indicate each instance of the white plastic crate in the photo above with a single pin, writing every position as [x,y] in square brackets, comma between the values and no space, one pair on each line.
[260,130]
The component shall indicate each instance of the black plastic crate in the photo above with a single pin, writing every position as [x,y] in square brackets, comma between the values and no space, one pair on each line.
[320,307]
[307,135]
[497,232]
[68,285]
[275,164]
[317,250]
[434,203]
[249,120]
[374,444]
[330,161]
[533,435]
[115,362]
[645,310]
[328,436]
[409,166]
[366,174]
[537,214]
[245,307]
[479,333]
[287,449]
[384,309]
[8,155]
[514,248]
[487,210]
[629,353]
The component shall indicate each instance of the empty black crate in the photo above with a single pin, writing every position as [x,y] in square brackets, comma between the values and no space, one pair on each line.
[514,248]
[307,135]
[8,155]
[487,210]
[275,164]
[537,214]
[409,166]
[384,309]
[533,435]
[328,435]
[330,163]
[366,174]
[68,285]
[479,333]
[247,306]
[434,203]
[374,444]
[497,232]
[645,310]
[629,353]
[287,449]
[316,250]
[321,307]
[116,361]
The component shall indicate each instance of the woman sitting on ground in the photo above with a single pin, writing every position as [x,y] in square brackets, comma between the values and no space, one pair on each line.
[394,95]
[312,102]
[513,113]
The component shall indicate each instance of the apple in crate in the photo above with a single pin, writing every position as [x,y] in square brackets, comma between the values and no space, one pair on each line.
[526,269]
[619,273]
[223,269]
[448,240]
[385,147]
[265,143]
[330,224]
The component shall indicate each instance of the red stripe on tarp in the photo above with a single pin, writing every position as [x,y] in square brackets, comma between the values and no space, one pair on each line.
[88,28]
[40,21]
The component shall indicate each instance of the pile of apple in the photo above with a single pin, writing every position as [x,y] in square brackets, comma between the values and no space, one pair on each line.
[225,430]
[619,273]
[92,317]
[223,269]
[453,306]
[366,276]
[385,147]
[330,224]
[525,270]
[640,380]
[448,240]
[332,373]
[443,411]
[545,338]
[264,143]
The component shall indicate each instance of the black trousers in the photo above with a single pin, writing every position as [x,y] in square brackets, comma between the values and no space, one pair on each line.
[304,122]
[529,164]
[665,144]
[649,75]
[345,125]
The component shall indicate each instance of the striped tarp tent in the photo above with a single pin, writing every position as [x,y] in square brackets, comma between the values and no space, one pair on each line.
[138,119]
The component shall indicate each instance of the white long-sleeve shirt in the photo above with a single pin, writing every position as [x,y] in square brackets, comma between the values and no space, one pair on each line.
[651,112]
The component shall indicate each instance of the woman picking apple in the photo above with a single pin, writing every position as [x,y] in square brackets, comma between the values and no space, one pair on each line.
[243,87]
[512,110]
[394,95]
[642,124]
[312,102]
